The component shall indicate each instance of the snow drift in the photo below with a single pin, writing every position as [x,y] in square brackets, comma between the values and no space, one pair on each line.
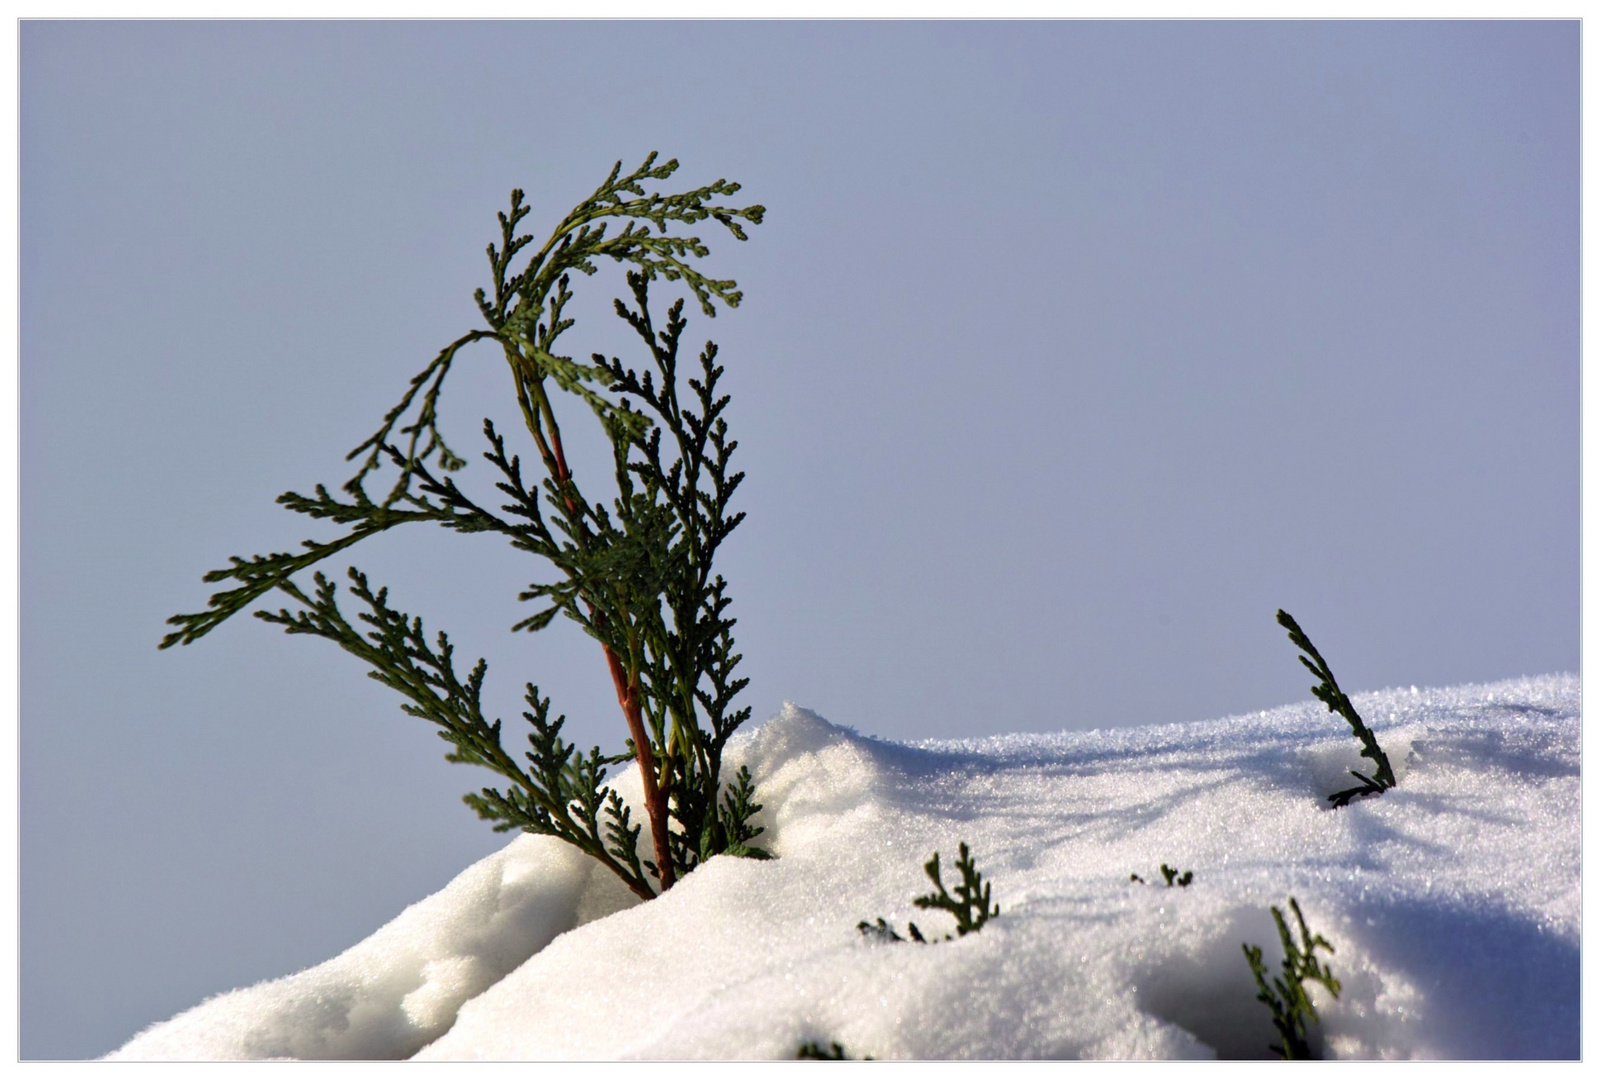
[1452,903]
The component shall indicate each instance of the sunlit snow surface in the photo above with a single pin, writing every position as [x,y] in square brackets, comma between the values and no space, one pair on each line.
[1452,903]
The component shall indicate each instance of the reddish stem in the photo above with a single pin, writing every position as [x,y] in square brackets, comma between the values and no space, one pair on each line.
[655,802]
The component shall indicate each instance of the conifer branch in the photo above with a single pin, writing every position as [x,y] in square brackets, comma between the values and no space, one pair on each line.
[689,659]
[525,315]
[1291,1006]
[635,573]
[970,905]
[1327,691]
[561,796]
[260,574]
[426,425]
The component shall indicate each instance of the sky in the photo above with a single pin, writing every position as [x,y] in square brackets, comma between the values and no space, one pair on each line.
[1070,352]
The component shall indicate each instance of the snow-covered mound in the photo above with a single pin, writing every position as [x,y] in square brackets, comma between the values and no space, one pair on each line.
[1452,902]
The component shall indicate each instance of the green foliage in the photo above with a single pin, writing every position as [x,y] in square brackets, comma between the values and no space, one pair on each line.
[970,905]
[561,796]
[1328,692]
[883,931]
[1291,1006]
[1171,875]
[813,1051]
[635,575]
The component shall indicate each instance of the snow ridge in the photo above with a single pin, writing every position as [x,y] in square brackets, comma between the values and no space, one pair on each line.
[1452,903]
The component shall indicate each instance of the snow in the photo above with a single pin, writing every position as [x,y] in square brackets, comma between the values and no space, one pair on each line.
[1451,901]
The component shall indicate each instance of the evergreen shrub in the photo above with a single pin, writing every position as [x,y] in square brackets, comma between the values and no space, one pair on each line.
[634,571]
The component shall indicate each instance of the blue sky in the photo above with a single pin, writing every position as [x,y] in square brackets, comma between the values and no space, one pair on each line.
[1070,353]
